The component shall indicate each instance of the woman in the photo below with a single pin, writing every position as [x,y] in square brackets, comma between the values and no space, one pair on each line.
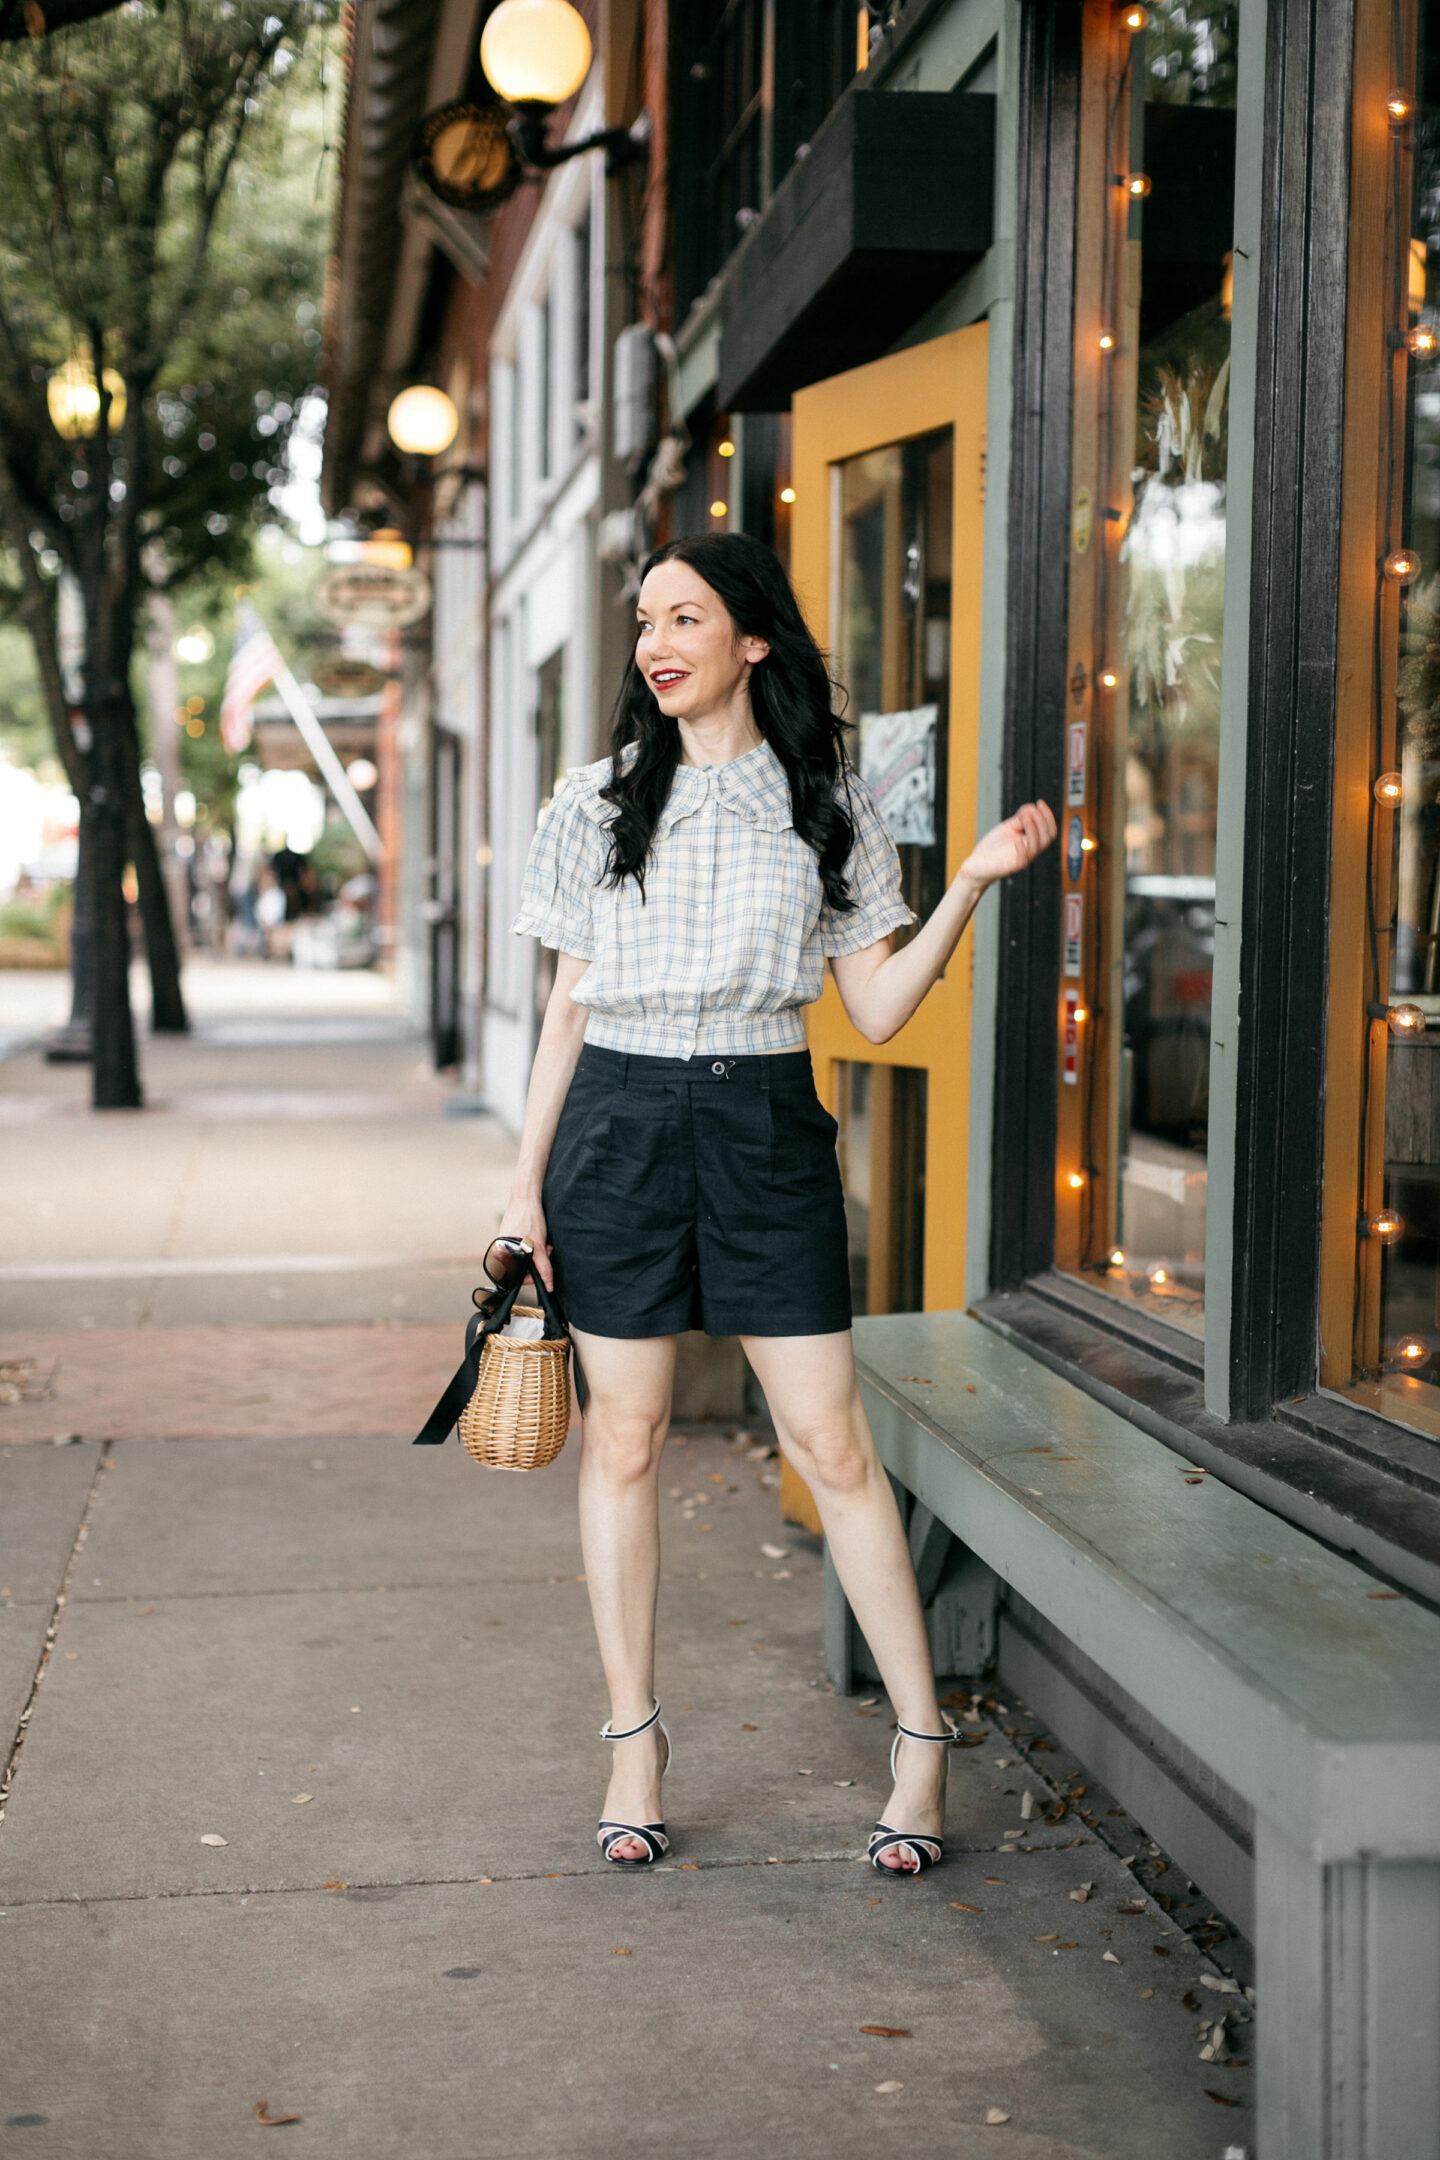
[676,1167]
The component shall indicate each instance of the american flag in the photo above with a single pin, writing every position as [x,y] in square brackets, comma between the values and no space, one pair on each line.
[255,660]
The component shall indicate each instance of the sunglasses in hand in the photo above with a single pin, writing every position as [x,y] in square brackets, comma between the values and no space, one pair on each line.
[507,1262]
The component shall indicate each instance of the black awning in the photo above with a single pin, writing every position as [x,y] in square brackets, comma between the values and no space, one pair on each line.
[892,204]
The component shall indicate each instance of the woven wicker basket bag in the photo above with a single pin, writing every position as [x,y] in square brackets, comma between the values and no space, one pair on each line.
[510,1398]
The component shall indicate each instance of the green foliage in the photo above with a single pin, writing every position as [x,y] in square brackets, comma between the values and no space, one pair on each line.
[159,219]
[1190,52]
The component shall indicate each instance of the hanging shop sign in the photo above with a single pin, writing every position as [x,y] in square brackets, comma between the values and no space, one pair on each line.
[373,596]
[343,677]
[1074,921]
[1075,764]
[897,764]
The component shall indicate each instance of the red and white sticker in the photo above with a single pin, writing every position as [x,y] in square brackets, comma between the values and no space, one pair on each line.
[1070,1064]
[1075,769]
[1074,919]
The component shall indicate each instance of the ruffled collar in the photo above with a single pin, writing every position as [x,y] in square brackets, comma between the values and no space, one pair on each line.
[753,787]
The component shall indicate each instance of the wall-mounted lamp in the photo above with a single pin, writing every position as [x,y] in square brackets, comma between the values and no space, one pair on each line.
[535,54]
[422,421]
[1403,565]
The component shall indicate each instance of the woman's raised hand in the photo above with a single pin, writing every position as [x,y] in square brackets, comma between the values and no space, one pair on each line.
[1012,846]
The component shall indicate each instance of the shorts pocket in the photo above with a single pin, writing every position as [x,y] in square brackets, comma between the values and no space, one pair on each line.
[802,1143]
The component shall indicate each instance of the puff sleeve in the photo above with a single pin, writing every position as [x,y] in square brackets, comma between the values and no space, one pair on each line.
[873,875]
[564,866]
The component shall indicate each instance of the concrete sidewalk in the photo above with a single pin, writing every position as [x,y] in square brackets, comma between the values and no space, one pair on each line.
[302,1800]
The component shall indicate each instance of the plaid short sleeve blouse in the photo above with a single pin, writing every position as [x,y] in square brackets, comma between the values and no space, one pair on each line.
[730,939]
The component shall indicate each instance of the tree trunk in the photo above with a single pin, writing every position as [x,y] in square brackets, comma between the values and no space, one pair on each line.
[115,1073]
[167,1002]
[73,1044]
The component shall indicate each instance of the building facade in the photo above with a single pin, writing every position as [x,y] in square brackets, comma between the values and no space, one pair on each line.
[1081,361]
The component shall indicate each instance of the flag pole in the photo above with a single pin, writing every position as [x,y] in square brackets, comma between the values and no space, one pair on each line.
[322,750]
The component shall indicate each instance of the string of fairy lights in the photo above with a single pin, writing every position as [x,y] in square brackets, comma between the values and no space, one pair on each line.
[1410,340]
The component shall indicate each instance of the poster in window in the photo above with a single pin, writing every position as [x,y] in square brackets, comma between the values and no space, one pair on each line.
[897,764]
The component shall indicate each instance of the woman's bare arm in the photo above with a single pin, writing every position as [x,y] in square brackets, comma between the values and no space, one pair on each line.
[562,1037]
[880,988]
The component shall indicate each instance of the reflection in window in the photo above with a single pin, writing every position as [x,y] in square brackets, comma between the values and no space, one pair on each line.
[1163,640]
[896,508]
[1400,1347]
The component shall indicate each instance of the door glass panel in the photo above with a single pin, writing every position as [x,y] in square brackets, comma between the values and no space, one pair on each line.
[1159,641]
[882,1167]
[896,522]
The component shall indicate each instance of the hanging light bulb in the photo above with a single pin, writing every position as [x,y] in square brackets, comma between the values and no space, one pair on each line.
[726,448]
[1422,341]
[1386,1227]
[1389,789]
[1411,1350]
[1136,184]
[1107,678]
[1136,17]
[1082,1013]
[1075,1181]
[1406,1020]
[1106,341]
[1117,1257]
[787,495]
[1088,845]
[1402,565]
[1159,1277]
[1399,105]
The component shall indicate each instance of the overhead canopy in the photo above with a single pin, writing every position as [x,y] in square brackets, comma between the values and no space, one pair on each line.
[890,206]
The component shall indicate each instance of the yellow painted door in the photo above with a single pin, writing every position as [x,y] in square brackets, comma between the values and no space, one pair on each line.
[886,550]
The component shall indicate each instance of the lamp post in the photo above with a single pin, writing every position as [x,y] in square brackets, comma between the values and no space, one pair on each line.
[535,54]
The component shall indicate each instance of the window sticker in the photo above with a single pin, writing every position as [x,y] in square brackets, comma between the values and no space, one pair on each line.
[1074,917]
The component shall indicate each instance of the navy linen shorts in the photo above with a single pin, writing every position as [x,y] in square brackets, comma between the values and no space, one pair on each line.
[697,1193]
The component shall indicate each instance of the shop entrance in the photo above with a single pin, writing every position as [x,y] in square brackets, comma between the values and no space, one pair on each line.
[886,552]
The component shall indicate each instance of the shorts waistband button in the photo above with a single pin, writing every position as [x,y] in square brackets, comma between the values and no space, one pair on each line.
[719,1067]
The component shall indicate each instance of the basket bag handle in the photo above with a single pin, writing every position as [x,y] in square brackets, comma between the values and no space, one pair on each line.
[489,1318]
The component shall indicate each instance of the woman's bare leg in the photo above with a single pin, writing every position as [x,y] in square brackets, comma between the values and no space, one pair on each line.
[810,1385]
[626,1420]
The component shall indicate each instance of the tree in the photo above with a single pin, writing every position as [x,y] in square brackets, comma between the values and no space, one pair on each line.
[131,291]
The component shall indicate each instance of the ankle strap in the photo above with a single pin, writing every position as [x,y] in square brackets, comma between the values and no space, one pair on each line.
[606,1734]
[943,1739]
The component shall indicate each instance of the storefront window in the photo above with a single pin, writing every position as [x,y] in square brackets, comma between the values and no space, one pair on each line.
[1147,631]
[1396,1350]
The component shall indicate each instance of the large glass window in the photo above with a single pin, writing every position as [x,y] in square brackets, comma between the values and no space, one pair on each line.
[1391,858]
[1147,638]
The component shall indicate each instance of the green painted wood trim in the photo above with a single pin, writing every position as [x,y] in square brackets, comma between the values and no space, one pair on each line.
[1271,1657]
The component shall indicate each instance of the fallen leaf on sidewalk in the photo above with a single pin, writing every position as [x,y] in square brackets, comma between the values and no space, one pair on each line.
[1222,2099]
[1027,1805]
[1082,1895]
[1160,1950]
[1190,2000]
[1147,1994]
[999,1881]
[956,1906]
[212,1837]
[749,1728]
[995,2116]
[890,2085]
[776,1552]
[888,2032]
[1047,1938]
[1110,1958]
[299,1799]
[843,1781]
[804,1773]
[336,1884]
[622,1953]
[1222,1984]
[271,2122]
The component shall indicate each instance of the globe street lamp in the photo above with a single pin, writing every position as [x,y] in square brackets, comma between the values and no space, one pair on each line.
[74,400]
[422,421]
[535,54]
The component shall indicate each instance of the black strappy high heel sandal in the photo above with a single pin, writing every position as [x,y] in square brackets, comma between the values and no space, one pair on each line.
[927,1851]
[651,1835]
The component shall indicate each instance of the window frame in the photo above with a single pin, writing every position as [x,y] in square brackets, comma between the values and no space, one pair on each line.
[1269,1014]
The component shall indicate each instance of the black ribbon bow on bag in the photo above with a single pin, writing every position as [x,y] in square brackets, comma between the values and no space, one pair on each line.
[489,1318]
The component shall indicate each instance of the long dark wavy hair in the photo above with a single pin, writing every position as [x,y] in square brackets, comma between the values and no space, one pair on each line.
[790,695]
